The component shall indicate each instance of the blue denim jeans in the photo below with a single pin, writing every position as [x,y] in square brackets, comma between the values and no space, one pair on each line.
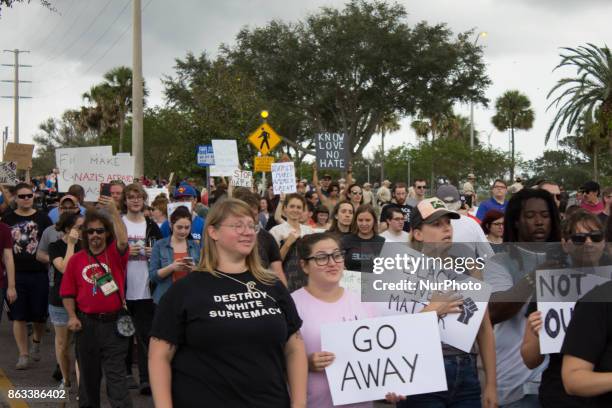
[463,387]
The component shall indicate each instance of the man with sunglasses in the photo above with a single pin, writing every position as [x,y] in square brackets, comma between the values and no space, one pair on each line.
[93,292]
[31,278]
[420,189]
[496,202]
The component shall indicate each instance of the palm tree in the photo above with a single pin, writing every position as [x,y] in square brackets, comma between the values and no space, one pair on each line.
[590,140]
[513,111]
[583,95]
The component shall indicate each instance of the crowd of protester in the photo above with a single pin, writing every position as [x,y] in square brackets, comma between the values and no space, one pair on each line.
[84,266]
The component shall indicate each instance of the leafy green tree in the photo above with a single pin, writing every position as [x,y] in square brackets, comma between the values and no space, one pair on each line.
[347,70]
[585,94]
[513,111]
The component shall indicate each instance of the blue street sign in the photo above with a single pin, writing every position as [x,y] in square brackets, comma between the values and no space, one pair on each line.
[205,156]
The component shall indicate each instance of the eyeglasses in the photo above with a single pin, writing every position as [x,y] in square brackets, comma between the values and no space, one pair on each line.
[99,231]
[497,224]
[421,187]
[323,259]
[356,193]
[500,186]
[25,196]
[241,228]
[580,238]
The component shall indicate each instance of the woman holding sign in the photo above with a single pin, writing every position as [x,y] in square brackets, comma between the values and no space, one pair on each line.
[227,335]
[583,241]
[432,234]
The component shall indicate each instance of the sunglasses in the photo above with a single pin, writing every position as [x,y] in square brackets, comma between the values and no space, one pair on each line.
[99,231]
[356,193]
[421,187]
[25,196]
[580,238]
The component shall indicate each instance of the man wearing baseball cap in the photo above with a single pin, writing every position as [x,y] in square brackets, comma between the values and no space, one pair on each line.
[187,194]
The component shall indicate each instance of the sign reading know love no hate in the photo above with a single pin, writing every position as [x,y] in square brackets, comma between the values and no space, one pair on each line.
[331,150]
[384,354]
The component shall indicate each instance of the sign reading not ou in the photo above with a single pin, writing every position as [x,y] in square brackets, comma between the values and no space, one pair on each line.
[331,150]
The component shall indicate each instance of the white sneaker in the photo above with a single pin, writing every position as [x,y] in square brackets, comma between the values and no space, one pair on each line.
[23,363]
[35,351]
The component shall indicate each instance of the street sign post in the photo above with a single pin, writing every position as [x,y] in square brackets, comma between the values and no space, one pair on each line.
[264,138]
[205,156]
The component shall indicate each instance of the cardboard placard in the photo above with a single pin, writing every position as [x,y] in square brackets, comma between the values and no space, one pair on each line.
[263,164]
[65,162]
[90,172]
[19,153]
[8,173]
[384,354]
[242,178]
[226,158]
[557,291]
[152,193]
[331,150]
[283,178]
[175,205]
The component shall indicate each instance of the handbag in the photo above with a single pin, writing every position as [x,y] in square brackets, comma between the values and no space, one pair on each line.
[124,326]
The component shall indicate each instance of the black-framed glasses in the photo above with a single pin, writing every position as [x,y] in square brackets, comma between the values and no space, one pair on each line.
[421,187]
[240,228]
[25,196]
[323,259]
[99,231]
[581,237]
[356,192]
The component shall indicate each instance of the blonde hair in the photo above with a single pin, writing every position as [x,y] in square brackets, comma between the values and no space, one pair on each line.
[209,257]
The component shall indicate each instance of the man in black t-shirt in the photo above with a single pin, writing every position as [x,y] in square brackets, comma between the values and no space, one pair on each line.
[587,348]
[400,193]
[31,279]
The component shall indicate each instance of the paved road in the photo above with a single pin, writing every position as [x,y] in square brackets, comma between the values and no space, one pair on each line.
[39,375]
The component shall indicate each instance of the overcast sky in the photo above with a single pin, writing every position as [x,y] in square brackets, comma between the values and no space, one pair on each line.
[72,48]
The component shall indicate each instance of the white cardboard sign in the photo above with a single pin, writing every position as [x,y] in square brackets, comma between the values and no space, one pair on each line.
[351,281]
[174,206]
[242,178]
[226,158]
[65,161]
[381,355]
[153,192]
[557,292]
[91,171]
[283,177]
[8,173]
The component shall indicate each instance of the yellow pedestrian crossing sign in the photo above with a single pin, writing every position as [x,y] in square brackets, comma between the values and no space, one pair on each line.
[264,138]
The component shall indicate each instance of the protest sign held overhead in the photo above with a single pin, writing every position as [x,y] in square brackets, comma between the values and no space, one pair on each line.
[242,178]
[173,206]
[91,171]
[557,292]
[384,354]
[331,150]
[19,153]
[226,158]
[283,178]
[152,193]
[8,173]
[65,162]
[264,138]
[263,164]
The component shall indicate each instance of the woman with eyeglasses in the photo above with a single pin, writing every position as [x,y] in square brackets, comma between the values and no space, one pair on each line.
[174,257]
[354,195]
[323,301]
[60,253]
[583,241]
[227,335]
[493,227]
[363,243]
[342,218]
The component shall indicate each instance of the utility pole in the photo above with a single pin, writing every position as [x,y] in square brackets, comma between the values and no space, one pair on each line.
[137,91]
[16,96]
[4,139]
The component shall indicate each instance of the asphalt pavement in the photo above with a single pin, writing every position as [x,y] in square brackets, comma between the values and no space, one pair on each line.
[39,375]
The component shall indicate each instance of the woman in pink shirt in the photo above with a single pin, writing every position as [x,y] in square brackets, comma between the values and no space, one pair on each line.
[324,301]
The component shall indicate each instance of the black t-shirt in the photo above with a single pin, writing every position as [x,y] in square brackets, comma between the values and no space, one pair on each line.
[268,249]
[360,252]
[58,249]
[589,335]
[552,393]
[230,342]
[404,208]
[26,232]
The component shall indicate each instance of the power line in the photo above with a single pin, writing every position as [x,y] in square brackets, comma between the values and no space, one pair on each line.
[45,38]
[89,26]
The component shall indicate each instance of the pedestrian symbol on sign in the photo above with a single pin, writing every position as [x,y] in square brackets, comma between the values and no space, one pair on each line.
[264,136]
